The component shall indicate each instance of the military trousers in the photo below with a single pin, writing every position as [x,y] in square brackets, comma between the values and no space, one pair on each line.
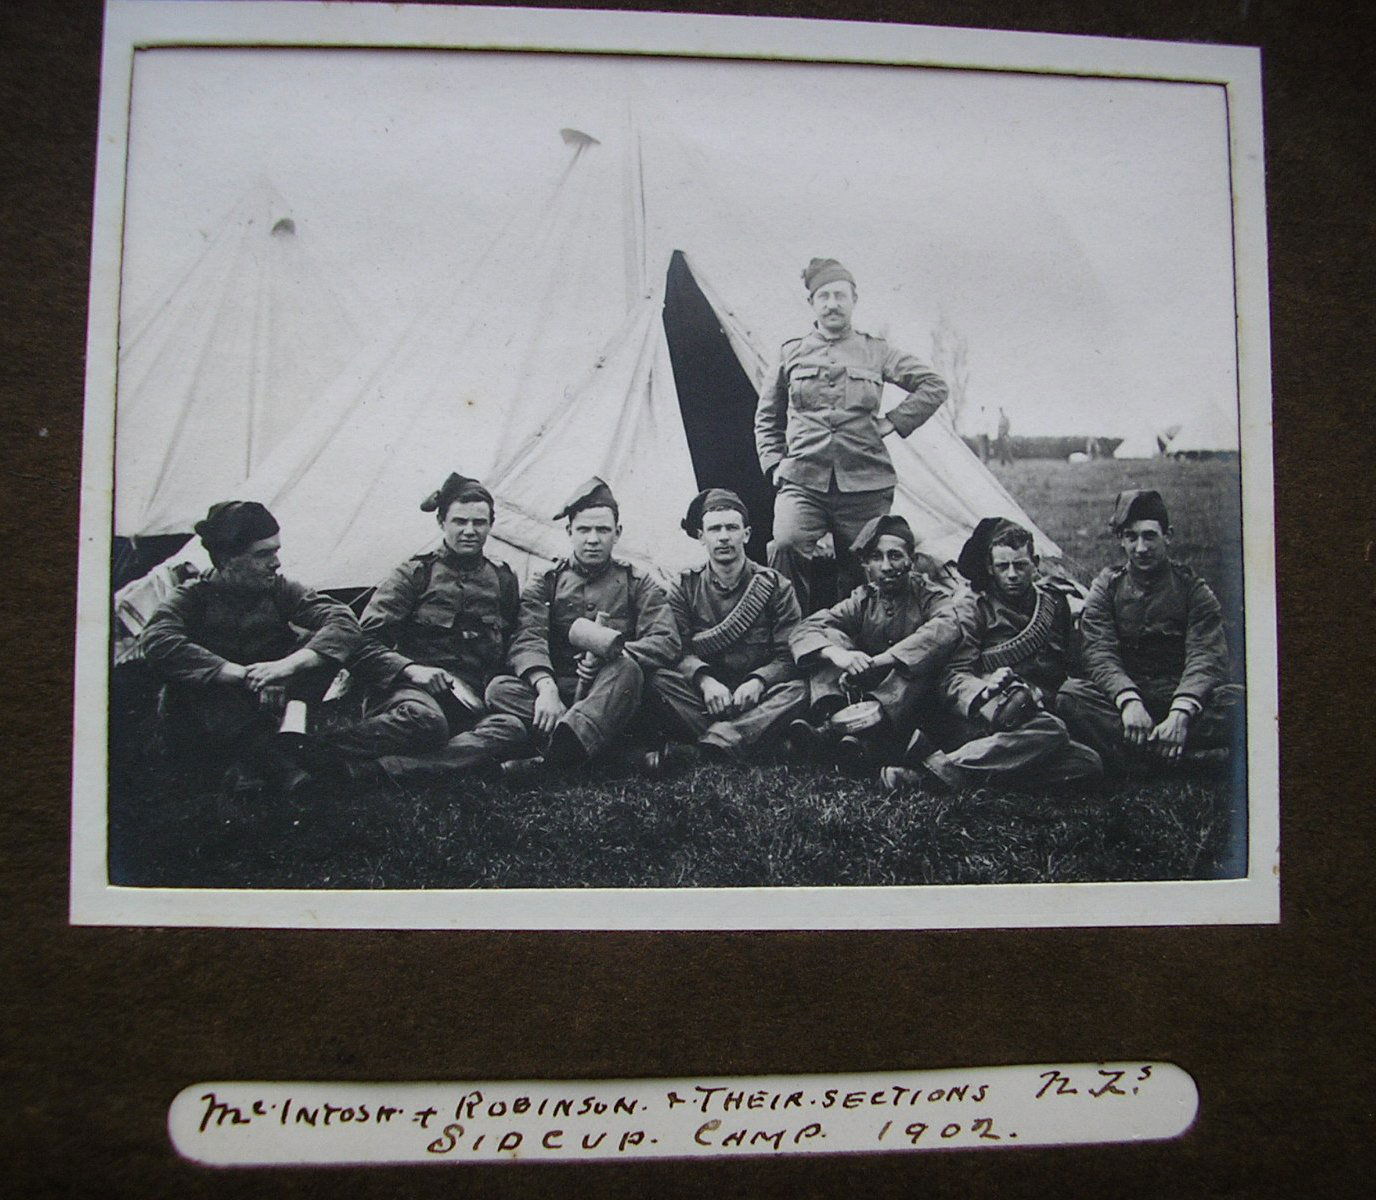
[1040,752]
[680,700]
[403,721]
[804,515]
[597,719]
[1094,719]
[215,720]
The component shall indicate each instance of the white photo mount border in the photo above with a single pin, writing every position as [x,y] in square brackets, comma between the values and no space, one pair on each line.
[132,26]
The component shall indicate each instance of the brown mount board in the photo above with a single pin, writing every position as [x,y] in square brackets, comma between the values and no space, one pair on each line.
[105,1025]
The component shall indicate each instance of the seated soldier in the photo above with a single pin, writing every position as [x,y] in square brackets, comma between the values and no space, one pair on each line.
[737,681]
[1013,656]
[579,697]
[437,631]
[228,649]
[1154,651]
[886,642]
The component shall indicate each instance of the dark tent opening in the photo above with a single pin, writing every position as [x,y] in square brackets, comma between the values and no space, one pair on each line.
[717,401]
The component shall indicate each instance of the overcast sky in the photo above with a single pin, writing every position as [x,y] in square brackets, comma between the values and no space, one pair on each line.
[1075,231]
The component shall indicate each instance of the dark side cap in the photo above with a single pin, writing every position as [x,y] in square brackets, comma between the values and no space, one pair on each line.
[890,525]
[232,526]
[711,500]
[456,485]
[1138,504]
[593,494]
[973,562]
[822,271]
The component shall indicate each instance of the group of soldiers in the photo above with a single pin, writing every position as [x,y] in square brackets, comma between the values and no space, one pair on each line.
[951,676]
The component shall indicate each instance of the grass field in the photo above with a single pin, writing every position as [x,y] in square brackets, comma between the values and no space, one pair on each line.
[779,824]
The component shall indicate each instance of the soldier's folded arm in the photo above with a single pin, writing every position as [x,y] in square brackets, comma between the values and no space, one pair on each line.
[390,606]
[927,391]
[167,645]
[1206,650]
[529,653]
[656,642]
[931,644]
[336,630]
[962,683]
[836,626]
[691,664]
[1103,657]
[784,617]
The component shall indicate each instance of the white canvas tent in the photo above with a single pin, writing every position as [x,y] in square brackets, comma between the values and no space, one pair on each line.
[620,327]
[217,369]
[1207,434]
[1140,443]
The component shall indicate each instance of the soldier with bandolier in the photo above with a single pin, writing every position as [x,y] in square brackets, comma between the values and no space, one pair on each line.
[736,683]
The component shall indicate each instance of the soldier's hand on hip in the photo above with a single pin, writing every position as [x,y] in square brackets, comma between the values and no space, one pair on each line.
[748,694]
[549,706]
[715,695]
[434,680]
[884,425]
[1168,738]
[1137,723]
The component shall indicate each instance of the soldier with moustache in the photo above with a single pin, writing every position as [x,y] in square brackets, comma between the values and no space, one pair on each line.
[1155,653]
[819,432]
[234,645]
[1003,677]
[888,641]
[578,701]
[736,683]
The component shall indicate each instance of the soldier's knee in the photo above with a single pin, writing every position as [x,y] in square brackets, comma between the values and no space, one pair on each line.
[505,692]
[424,724]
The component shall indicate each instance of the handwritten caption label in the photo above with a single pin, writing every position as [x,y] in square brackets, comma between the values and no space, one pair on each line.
[248,1124]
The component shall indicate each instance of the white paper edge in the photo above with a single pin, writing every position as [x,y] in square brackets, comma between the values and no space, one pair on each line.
[144,23]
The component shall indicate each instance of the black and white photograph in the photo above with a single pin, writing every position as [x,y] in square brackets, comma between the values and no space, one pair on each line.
[576,470]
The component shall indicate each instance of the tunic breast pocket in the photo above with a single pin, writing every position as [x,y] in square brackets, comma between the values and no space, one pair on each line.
[864,388]
[436,612]
[805,390]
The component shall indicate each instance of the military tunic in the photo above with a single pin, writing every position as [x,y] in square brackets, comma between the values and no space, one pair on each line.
[816,427]
[436,610]
[635,606]
[1160,641]
[698,603]
[207,623]
[1041,750]
[916,627]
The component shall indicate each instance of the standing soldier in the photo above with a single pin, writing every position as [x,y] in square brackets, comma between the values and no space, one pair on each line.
[438,629]
[230,652]
[570,683]
[1013,655]
[818,429]
[887,642]
[1154,650]
[737,681]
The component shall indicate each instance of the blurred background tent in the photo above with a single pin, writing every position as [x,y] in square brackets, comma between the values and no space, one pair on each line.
[620,325]
[214,372]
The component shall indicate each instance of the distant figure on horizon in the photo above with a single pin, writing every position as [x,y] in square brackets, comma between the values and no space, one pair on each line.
[1004,440]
